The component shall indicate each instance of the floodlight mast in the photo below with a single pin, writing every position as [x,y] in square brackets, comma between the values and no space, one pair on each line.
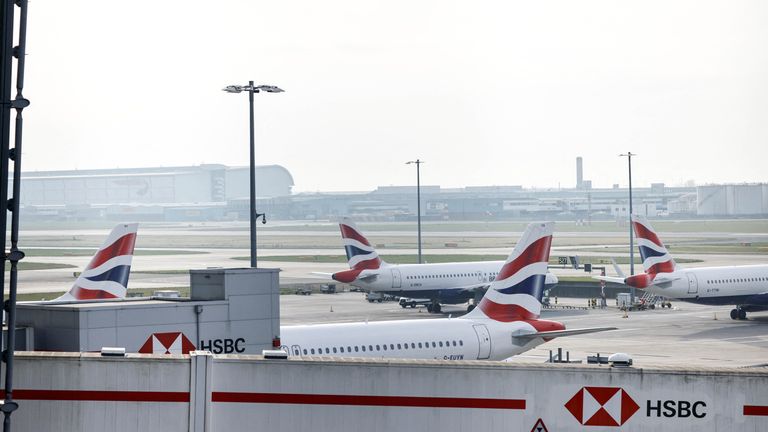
[251,89]
[418,163]
[629,155]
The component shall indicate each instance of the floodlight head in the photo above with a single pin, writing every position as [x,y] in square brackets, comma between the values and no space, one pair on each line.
[269,89]
[233,89]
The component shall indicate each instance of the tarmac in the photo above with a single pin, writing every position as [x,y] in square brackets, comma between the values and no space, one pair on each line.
[687,335]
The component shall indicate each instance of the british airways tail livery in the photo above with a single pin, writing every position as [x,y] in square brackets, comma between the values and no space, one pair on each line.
[106,276]
[444,283]
[746,287]
[516,293]
[360,254]
[505,323]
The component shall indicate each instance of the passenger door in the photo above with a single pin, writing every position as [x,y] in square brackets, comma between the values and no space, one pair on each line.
[396,278]
[693,285]
[295,350]
[484,340]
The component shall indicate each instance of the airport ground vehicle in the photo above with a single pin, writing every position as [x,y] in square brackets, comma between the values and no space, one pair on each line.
[378,297]
[412,303]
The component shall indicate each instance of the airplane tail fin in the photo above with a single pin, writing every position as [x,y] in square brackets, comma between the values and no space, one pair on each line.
[106,276]
[360,254]
[656,258]
[516,292]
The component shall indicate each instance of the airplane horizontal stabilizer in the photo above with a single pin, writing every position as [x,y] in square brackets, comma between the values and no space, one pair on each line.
[324,274]
[561,333]
[370,277]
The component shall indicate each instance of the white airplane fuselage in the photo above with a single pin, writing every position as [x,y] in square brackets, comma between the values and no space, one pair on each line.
[434,280]
[445,339]
[728,285]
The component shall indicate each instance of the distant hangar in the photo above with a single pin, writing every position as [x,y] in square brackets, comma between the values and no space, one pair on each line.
[209,191]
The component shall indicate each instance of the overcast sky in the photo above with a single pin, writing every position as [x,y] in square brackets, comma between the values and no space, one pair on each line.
[487,92]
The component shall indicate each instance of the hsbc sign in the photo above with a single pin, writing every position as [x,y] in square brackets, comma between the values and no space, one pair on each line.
[613,406]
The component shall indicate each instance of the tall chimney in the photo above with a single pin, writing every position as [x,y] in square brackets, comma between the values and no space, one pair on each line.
[579,174]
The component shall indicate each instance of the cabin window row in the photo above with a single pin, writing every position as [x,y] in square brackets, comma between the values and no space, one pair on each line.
[720,281]
[447,275]
[382,347]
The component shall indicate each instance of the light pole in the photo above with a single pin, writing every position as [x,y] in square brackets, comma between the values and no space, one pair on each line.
[251,89]
[418,198]
[629,155]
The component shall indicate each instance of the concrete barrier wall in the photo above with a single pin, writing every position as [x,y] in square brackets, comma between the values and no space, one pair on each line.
[73,392]
[207,393]
[379,396]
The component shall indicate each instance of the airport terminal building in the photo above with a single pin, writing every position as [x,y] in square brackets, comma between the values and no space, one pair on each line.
[214,192]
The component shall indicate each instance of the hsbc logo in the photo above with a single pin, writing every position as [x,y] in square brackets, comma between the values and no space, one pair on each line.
[602,406]
[167,343]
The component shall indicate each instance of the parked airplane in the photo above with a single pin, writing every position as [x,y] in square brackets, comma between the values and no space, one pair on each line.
[743,286]
[446,283]
[106,276]
[505,322]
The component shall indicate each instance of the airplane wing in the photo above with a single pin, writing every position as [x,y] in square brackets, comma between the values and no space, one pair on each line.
[482,286]
[615,279]
[561,333]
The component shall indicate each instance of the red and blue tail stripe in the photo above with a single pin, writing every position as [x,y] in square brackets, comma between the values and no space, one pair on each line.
[533,286]
[118,274]
[516,293]
[349,231]
[122,246]
[353,251]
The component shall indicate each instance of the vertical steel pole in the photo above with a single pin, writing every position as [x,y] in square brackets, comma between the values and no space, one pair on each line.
[6,50]
[631,232]
[252,212]
[418,202]
[11,154]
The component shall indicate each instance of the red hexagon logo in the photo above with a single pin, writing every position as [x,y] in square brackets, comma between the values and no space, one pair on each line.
[167,343]
[602,406]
